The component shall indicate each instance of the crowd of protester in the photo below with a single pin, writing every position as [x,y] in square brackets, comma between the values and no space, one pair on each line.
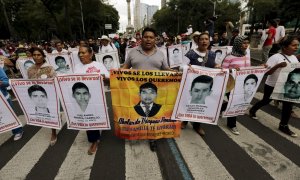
[200,44]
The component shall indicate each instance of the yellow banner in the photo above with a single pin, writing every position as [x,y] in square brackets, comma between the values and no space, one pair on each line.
[143,102]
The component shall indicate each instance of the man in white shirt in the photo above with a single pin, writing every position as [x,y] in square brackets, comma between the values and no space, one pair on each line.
[59,48]
[106,45]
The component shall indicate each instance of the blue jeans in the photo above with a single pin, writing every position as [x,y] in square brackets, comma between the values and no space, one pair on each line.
[19,129]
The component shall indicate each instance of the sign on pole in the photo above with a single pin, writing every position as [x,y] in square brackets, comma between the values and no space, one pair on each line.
[108,26]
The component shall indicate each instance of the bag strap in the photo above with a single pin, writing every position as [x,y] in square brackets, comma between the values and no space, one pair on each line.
[285,57]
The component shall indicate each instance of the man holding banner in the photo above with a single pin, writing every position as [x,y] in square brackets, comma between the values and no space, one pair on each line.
[147,57]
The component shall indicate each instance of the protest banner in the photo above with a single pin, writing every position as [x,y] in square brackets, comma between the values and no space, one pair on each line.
[200,95]
[75,58]
[61,63]
[143,102]
[175,55]
[39,101]
[186,47]
[287,85]
[83,100]
[110,59]
[8,118]
[163,49]
[221,52]
[24,64]
[247,81]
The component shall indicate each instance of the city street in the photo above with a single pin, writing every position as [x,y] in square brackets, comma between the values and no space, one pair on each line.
[259,152]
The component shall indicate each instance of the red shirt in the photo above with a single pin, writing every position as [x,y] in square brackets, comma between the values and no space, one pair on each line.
[269,42]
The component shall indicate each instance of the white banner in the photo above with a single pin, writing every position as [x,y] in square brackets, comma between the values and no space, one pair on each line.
[8,118]
[110,60]
[83,99]
[75,58]
[200,95]
[175,55]
[247,81]
[221,52]
[61,63]
[24,64]
[39,101]
[287,87]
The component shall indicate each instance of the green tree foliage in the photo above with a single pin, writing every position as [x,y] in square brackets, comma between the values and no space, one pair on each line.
[45,19]
[176,17]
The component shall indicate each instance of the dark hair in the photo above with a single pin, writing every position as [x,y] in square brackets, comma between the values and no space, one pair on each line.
[58,42]
[36,87]
[90,50]
[107,56]
[218,51]
[273,23]
[295,71]
[251,76]
[37,49]
[28,61]
[148,85]
[176,49]
[287,40]
[79,85]
[59,57]
[148,29]
[203,79]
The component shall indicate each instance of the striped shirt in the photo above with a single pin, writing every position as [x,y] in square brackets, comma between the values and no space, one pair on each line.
[236,62]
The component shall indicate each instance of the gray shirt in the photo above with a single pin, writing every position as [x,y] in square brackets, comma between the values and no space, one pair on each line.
[138,59]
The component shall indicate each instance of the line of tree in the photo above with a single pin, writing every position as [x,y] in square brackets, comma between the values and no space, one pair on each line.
[178,14]
[46,19]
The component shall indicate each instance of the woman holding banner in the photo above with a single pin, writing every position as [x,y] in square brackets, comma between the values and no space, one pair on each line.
[200,56]
[87,66]
[42,70]
[289,46]
[236,60]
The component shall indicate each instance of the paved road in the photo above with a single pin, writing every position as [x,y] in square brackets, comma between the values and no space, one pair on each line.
[260,152]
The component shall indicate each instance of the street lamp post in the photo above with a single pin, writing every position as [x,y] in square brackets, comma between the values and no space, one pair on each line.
[176,8]
[214,3]
[83,30]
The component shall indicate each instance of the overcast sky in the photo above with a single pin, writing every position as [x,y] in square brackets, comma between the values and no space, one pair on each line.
[121,6]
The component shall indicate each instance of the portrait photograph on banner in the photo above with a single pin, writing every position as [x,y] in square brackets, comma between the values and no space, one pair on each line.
[39,101]
[175,55]
[247,81]
[201,94]
[8,118]
[61,63]
[83,100]
[221,53]
[110,60]
[143,102]
[287,85]
[24,64]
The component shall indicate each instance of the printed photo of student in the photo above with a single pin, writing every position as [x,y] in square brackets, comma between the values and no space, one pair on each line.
[63,67]
[200,89]
[147,107]
[82,95]
[39,97]
[250,86]
[108,61]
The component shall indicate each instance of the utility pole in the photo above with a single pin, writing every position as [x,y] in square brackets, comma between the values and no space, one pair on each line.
[83,30]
